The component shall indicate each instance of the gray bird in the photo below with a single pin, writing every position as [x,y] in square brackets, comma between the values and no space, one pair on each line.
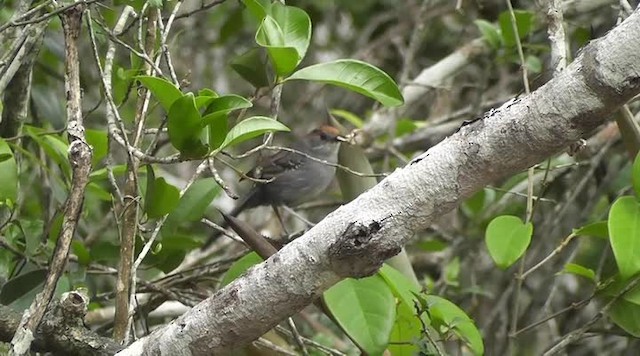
[294,178]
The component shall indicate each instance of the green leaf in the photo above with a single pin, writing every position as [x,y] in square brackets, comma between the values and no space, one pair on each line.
[624,234]
[443,312]
[156,4]
[432,245]
[350,117]
[295,25]
[406,330]
[251,66]
[615,288]
[5,157]
[635,175]
[286,35]
[270,36]
[161,199]
[401,287]
[185,127]
[225,104]
[84,257]
[250,128]
[163,90]
[215,116]
[99,142]
[365,309]
[193,203]
[356,76]
[596,229]
[8,174]
[489,32]
[257,8]
[54,146]
[452,272]
[21,285]
[99,192]
[626,315]
[476,204]
[239,267]
[507,238]
[579,270]
[524,23]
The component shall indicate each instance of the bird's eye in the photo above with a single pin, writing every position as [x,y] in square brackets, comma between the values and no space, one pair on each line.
[324,136]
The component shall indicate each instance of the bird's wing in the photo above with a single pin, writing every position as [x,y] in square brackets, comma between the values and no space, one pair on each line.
[273,166]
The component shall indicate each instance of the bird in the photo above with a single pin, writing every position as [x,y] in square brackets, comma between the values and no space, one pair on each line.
[291,177]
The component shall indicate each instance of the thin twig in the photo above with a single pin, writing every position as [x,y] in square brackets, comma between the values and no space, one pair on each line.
[339,166]
[80,157]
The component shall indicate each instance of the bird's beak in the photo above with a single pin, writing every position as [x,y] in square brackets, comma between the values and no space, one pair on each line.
[342,139]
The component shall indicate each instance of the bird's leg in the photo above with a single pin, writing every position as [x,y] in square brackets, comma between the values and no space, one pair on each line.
[298,216]
[275,209]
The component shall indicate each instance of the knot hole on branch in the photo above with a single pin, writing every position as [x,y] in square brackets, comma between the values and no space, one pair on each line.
[359,251]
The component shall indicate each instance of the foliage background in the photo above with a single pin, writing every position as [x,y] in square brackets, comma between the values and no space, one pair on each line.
[450,258]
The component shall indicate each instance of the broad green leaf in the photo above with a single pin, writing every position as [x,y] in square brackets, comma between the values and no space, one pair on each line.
[105,251]
[579,270]
[84,257]
[401,287]
[624,234]
[156,3]
[476,204]
[490,33]
[207,92]
[286,34]
[596,229]
[8,174]
[354,75]
[443,312]
[405,127]
[250,128]
[161,199]
[626,315]
[232,27]
[53,145]
[239,267]
[452,272]
[365,309]
[524,23]
[432,245]
[5,157]
[258,8]
[405,333]
[99,142]
[252,67]
[202,101]
[185,127]
[270,33]
[215,116]
[164,91]
[193,203]
[21,285]
[635,175]
[296,27]
[226,104]
[615,288]
[507,238]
